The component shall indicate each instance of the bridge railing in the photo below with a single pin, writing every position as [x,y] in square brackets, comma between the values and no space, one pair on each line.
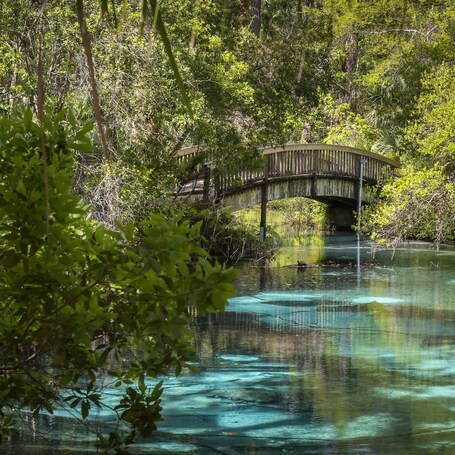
[322,159]
[295,160]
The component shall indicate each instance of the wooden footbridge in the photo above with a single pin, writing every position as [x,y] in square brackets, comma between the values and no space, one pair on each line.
[342,177]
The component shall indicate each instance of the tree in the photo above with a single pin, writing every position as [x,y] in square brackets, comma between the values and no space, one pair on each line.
[430,137]
[81,303]
[420,203]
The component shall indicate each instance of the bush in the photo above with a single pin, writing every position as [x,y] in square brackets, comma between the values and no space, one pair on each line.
[228,239]
[81,302]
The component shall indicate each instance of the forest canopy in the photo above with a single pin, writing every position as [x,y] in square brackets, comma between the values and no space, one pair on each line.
[375,74]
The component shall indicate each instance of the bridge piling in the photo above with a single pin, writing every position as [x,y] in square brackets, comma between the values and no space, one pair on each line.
[206,174]
[264,190]
[362,163]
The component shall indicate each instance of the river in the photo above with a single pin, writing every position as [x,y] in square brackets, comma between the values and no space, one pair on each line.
[352,354]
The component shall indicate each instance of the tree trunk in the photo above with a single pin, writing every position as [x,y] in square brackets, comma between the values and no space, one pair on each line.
[301,66]
[255,11]
[91,69]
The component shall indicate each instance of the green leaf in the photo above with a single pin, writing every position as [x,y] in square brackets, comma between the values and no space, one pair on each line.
[5,392]
[21,188]
[28,116]
[71,118]
[75,402]
[157,390]
[129,231]
[85,408]
[141,384]
[66,378]
[81,146]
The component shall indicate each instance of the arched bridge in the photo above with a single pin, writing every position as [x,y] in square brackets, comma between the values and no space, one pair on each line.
[333,174]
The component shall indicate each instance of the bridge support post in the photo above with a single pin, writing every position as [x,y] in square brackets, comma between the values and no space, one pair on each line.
[264,190]
[363,161]
[263,213]
[313,185]
[206,185]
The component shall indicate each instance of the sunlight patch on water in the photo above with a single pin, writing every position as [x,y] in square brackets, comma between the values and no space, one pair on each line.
[369,425]
[377,299]
[256,305]
[287,296]
[267,297]
[251,419]
[444,391]
[165,447]
[296,432]
[279,426]
[447,426]
[334,296]
[342,273]
[437,364]
[238,358]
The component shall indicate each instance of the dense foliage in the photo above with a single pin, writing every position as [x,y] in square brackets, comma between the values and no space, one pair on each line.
[420,203]
[231,75]
[229,239]
[83,306]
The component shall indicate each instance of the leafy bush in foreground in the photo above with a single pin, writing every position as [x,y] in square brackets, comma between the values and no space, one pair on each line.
[80,303]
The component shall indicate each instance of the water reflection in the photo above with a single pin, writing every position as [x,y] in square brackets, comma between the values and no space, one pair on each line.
[358,359]
[330,359]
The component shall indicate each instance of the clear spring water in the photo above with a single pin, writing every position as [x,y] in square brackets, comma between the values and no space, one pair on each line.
[335,359]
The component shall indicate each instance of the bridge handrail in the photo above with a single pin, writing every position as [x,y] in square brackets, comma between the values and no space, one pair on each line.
[343,148]
[185,151]
[270,149]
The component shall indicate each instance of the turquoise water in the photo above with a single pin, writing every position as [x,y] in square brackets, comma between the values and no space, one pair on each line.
[352,355]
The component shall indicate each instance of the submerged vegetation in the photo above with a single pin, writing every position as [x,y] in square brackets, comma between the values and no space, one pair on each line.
[97,97]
